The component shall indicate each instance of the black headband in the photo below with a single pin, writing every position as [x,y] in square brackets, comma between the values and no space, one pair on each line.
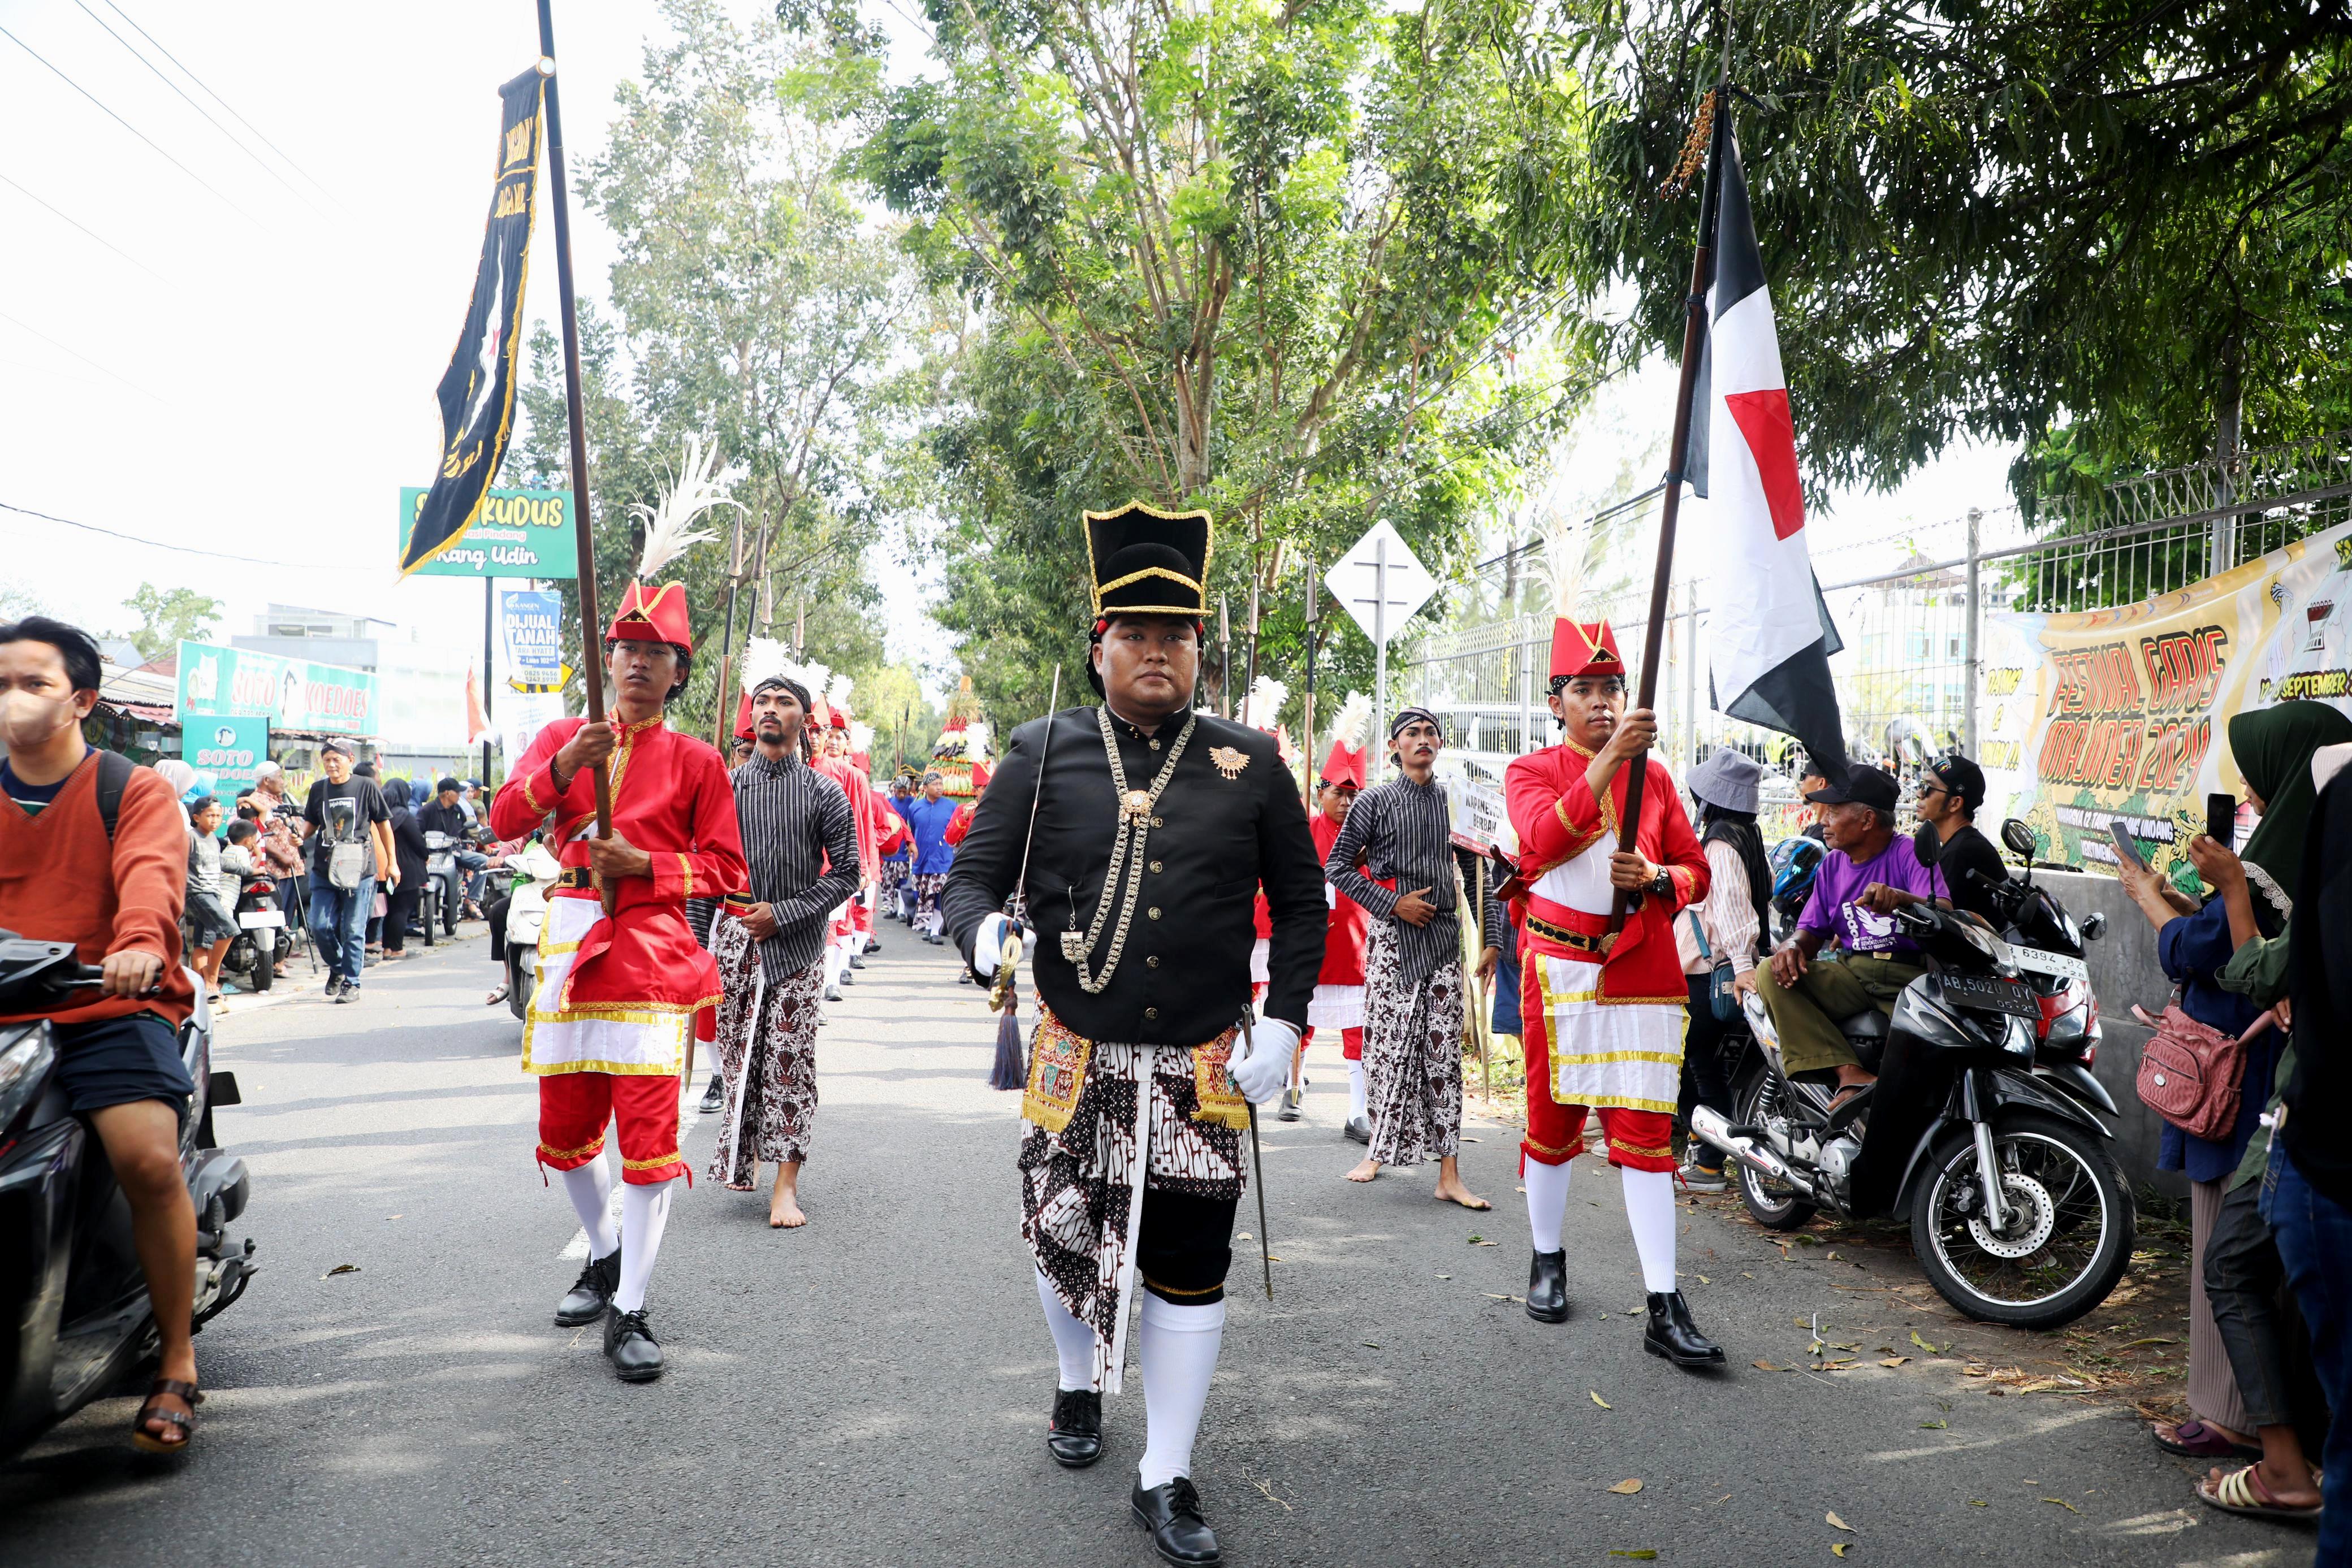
[1406,715]
[790,685]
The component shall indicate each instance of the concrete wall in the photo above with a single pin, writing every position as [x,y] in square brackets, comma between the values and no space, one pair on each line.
[2123,970]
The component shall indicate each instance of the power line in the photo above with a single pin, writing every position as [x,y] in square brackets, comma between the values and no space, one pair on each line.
[221,101]
[126,125]
[183,550]
[199,107]
[92,233]
[85,358]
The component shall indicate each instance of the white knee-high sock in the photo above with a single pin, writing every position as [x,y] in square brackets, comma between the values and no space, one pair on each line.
[590,1188]
[1074,1343]
[644,1210]
[1177,1350]
[1356,1104]
[1546,1203]
[1650,1209]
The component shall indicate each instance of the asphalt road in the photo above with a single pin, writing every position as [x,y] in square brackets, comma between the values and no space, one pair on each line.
[872,1390]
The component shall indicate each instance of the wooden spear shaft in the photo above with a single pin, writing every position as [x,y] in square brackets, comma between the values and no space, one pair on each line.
[1669,511]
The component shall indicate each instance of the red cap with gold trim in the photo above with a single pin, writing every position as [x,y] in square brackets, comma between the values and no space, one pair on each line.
[1583,648]
[653,615]
[1344,765]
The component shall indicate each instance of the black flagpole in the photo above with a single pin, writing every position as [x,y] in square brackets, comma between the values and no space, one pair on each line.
[592,662]
[1678,453]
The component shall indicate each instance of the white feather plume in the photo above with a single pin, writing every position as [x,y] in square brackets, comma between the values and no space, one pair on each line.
[836,693]
[861,736]
[1566,541]
[976,736]
[765,658]
[694,490]
[1262,708]
[814,675]
[1351,727]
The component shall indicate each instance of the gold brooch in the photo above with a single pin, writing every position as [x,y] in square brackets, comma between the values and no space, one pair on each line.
[1135,803]
[1228,761]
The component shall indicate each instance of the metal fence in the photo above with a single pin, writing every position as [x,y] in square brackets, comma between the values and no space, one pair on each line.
[1908,606]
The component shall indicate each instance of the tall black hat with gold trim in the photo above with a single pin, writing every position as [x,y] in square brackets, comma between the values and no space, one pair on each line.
[1146,561]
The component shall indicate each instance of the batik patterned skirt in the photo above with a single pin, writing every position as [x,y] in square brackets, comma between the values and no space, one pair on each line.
[1412,1055]
[1101,1122]
[766,1048]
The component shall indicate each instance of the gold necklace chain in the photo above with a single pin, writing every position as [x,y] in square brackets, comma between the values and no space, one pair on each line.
[1135,808]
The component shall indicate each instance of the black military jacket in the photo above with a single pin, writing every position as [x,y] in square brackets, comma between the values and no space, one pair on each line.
[1230,817]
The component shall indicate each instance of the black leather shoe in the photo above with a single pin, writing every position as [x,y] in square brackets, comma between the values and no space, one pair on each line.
[1672,1334]
[630,1345]
[1359,1130]
[714,1099]
[591,1292]
[1172,1513]
[1547,1286]
[1075,1434]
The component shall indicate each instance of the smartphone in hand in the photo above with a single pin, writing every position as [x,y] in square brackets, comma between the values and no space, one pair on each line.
[2222,819]
[2127,847]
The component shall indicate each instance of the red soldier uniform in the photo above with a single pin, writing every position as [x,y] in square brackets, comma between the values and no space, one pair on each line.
[1602,1016]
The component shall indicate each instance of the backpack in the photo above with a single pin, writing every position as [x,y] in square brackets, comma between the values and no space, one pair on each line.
[114,772]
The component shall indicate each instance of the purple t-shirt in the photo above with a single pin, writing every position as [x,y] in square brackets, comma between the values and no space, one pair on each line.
[1833,912]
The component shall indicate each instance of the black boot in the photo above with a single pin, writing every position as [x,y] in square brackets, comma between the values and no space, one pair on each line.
[1547,1286]
[591,1292]
[1075,1433]
[630,1345]
[1671,1332]
[1173,1514]
[714,1099]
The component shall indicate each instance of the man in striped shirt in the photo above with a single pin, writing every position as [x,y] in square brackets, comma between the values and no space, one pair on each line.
[800,845]
[1411,881]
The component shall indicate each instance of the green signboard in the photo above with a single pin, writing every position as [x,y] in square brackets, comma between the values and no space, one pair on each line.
[231,750]
[289,693]
[519,533]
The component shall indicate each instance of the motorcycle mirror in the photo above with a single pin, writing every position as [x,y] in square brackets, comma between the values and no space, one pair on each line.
[2094,926]
[2018,838]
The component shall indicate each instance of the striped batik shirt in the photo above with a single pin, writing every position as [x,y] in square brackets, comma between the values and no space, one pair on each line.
[801,847]
[1401,831]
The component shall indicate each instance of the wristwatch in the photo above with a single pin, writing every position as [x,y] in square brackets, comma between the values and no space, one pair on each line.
[1662,885]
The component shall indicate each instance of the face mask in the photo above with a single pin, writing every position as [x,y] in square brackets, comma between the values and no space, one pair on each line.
[31,721]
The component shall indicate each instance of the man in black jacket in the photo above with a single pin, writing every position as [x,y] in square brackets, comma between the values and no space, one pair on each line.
[1154,827]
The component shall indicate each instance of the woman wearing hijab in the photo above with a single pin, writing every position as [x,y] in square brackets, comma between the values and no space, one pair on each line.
[2272,749]
[408,852]
[1722,927]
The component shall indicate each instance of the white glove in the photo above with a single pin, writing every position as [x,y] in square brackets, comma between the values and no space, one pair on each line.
[1260,1063]
[988,943]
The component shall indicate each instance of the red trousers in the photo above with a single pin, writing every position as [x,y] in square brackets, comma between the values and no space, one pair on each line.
[1352,1041]
[573,1108]
[1639,1140]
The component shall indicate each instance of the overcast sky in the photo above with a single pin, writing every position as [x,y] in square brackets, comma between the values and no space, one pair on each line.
[248,368]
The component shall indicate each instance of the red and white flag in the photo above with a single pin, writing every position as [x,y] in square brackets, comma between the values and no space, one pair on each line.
[1769,635]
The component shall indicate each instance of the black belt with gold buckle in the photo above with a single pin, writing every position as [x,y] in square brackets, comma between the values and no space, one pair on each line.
[576,876]
[1575,941]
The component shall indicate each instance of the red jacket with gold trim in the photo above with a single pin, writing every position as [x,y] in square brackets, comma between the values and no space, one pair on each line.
[1558,820]
[1350,923]
[672,798]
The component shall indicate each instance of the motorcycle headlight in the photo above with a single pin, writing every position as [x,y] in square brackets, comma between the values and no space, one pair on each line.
[24,1068]
[2017,1036]
[2070,1027]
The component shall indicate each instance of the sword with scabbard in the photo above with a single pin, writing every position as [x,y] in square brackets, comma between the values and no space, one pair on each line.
[1257,1156]
[1000,990]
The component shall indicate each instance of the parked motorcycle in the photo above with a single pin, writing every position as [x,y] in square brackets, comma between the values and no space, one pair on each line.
[2018,1211]
[537,869]
[74,1314]
[260,934]
[444,895]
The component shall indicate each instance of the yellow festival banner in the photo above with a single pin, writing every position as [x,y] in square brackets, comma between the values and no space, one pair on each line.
[2123,713]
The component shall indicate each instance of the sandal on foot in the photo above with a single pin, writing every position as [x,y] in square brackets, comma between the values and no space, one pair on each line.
[2196,1439]
[184,1420]
[2242,1491]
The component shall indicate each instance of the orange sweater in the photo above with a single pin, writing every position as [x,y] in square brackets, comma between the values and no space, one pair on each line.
[60,881]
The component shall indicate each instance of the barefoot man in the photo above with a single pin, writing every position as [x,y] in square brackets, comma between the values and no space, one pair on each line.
[1395,856]
[800,846]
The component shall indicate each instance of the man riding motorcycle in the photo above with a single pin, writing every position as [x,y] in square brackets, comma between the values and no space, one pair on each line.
[119,902]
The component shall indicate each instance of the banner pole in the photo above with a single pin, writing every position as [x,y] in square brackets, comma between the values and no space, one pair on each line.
[1670,509]
[591,662]
[727,637]
[489,600]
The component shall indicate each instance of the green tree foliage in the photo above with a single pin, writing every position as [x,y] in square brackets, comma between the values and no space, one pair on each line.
[751,302]
[169,615]
[2095,227]
[1256,257]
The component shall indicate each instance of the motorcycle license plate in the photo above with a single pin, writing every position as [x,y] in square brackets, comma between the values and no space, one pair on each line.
[254,919]
[2043,962]
[1991,991]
